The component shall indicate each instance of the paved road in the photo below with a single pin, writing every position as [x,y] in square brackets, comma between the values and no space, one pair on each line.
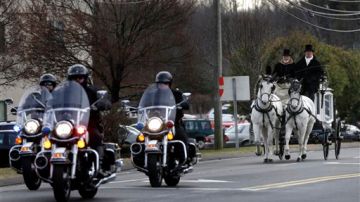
[240,179]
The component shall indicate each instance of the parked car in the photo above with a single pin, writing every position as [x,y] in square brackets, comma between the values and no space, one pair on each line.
[7,140]
[243,134]
[350,133]
[210,140]
[198,129]
[127,135]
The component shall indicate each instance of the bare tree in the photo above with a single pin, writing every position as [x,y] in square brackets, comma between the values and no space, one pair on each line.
[122,42]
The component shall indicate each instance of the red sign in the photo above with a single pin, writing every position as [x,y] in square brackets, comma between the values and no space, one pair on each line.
[221,86]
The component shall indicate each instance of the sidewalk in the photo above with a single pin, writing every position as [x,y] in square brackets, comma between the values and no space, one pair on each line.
[207,155]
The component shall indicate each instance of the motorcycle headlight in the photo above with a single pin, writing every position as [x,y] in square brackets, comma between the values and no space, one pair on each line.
[63,129]
[32,127]
[155,124]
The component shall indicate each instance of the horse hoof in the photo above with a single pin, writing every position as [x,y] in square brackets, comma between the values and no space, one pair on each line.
[303,156]
[270,160]
[298,159]
[287,157]
[266,160]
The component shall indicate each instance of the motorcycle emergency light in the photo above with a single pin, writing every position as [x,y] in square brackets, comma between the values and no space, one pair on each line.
[139,126]
[141,138]
[32,127]
[170,124]
[17,128]
[18,140]
[46,130]
[170,136]
[81,143]
[80,130]
[47,143]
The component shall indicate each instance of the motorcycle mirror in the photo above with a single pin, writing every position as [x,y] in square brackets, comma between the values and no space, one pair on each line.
[101,94]
[125,102]
[9,101]
[13,110]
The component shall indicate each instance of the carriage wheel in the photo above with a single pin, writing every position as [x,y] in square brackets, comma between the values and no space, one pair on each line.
[337,140]
[325,146]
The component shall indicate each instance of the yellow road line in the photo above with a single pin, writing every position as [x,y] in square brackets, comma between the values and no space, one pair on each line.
[299,182]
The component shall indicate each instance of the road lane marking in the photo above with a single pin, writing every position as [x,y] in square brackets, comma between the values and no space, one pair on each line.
[286,164]
[340,163]
[200,181]
[299,182]
[133,180]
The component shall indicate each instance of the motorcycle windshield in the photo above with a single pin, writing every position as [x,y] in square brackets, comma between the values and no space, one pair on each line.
[32,104]
[69,103]
[157,101]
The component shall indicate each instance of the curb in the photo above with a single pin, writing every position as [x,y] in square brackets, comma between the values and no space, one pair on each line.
[128,165]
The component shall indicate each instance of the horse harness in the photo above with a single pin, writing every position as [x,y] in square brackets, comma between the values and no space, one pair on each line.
[294,114]
[266,112]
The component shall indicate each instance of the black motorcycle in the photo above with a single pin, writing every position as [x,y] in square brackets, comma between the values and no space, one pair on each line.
[67,162]
[30,114]
[156,153]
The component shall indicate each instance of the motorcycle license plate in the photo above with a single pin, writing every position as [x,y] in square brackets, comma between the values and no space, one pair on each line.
[152,145]
[26,148]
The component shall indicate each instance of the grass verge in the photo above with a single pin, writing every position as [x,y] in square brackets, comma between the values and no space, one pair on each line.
[7,173]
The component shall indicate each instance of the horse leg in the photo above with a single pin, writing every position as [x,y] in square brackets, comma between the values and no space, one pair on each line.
[257,130]
[301,137]
[270,139]
[307,135]
[265,139]
[288,131]
[276,135]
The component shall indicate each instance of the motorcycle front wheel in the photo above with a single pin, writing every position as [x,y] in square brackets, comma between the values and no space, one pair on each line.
[32,181]
[172,181]
[155,174]
[61,183]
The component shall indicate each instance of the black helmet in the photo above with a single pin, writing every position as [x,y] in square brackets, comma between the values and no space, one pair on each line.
[77,70]
[47,78]
[163,77]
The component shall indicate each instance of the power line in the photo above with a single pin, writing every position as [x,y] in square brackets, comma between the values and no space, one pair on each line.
[328,9]
[324,16]
[322,13]
[340,1]
[311,24]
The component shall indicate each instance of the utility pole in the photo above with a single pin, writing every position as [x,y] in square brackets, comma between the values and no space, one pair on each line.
[218,74]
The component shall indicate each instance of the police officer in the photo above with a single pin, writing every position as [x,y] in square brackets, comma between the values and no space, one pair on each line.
[80,74]
[284,68]
[310,71]
[48,81]
[164,77]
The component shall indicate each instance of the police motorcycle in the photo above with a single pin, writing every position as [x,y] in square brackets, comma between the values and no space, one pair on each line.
[156,153]
[30,114]
[67,162]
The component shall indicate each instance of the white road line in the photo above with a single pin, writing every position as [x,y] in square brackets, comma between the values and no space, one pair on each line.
[200,181]
[286,164]
[133,180]
[340,163]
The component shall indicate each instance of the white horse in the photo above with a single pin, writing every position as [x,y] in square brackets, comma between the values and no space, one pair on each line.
[265,116]
[300,118]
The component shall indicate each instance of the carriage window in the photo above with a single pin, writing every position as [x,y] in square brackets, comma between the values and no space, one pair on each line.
[328,107]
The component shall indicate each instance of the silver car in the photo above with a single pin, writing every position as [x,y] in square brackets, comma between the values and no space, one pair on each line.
[243,133]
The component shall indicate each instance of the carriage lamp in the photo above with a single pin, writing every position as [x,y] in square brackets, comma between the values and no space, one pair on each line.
[140,138]
[18,140]
[47,143]
[81,143]
[170,136]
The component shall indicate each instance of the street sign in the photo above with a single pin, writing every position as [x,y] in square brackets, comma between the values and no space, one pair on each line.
[242,87]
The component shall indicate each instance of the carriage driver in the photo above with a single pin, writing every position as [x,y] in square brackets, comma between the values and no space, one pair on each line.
[310,71]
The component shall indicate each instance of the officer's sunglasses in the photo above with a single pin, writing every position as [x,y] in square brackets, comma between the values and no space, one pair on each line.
[47,84]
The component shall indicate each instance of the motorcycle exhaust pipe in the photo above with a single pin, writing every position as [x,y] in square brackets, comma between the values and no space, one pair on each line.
[41,162]
[14,155]
[136,149]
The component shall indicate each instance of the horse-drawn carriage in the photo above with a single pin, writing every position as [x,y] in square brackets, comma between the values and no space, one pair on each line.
[280,111]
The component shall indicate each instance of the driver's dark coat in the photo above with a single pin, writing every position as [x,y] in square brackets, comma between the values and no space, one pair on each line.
[310,74]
